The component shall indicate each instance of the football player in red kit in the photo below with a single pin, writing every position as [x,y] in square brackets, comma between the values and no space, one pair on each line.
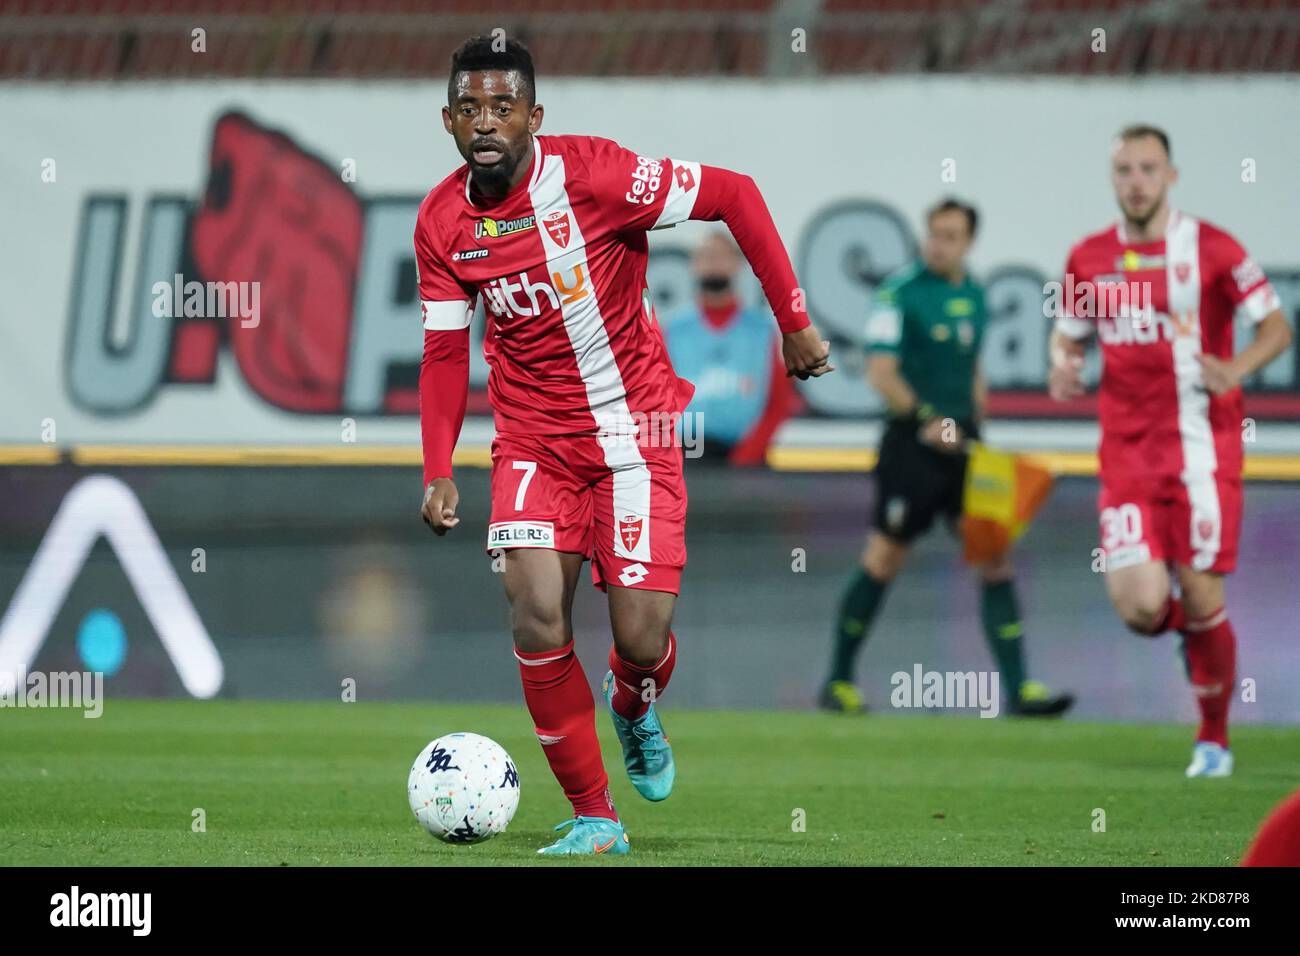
[1160,290]
[550,233]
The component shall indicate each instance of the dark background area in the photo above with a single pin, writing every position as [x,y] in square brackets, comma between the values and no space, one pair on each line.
[314,575]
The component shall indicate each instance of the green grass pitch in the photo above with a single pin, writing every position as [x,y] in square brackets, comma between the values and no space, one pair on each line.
[320,783]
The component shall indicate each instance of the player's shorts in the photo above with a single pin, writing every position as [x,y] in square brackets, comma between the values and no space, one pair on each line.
[1196,523]
[621,504]
[916,483]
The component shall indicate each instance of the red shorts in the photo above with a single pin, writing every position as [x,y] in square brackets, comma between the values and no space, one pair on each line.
[623,505]
[1196,522]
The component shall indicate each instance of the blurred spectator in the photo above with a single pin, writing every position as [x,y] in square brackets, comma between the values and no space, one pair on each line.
[732,352]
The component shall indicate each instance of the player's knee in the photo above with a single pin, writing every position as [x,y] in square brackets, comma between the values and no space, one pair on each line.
[538,626]
[997,571]
[641,638]
[645,648]
[1141,614]
[884,558]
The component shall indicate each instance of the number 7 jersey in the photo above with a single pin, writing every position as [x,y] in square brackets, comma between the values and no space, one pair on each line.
[572,343]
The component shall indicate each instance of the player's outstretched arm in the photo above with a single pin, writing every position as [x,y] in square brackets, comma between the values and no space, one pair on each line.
[444,392]
[643,193]
[1272,338]
[735,199]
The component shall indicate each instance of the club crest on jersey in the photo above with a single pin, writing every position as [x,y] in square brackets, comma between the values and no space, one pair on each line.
[490,228]
[557,224]
[629,531]
[1182,271]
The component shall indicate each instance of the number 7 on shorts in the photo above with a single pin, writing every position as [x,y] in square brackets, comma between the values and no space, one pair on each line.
[529,468]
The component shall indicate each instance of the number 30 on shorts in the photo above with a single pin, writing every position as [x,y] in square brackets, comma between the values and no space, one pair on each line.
[1121,527]
[529,468]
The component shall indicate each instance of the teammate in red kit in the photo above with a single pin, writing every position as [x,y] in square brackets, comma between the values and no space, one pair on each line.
[1160,291]
[550,231]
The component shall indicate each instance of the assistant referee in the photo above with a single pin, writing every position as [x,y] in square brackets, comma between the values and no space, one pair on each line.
[923,341]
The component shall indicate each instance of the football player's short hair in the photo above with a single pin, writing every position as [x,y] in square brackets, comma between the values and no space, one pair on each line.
[487,53]
[956,205]
[1140,130]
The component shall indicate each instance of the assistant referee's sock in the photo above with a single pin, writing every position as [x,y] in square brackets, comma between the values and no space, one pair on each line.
[858,610]
[1000,615]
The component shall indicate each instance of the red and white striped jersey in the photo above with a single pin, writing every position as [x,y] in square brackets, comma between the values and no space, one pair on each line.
[572,342]
[1155,306]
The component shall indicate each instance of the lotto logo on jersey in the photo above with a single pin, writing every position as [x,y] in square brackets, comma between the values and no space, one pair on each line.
[524,297]
[646,179]
[521,534]
[465,255]
[633,575]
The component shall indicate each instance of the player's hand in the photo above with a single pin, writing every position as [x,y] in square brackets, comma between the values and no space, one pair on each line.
[942,434]
[439,508]
[806,354]
[1219,376]
[1065,381]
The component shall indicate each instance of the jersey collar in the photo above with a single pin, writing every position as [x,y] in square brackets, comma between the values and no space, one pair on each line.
[1122,236]
[526,183]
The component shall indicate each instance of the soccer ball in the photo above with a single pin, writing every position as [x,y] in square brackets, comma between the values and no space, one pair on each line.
[463,788]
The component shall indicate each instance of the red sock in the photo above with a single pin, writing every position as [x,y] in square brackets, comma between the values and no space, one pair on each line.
[1173,619]
[636,688]
[564,716]
[1211,649]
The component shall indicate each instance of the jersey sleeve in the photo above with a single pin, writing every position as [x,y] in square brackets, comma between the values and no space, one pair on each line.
[1242,282]
[445,304]
[445,307]
[1072,326]
[884,331]
[642,193]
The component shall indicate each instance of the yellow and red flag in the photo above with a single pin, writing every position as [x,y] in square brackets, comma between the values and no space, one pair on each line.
[1003,493]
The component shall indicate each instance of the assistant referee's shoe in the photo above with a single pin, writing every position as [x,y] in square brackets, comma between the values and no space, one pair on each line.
[842,697]
[1035,700]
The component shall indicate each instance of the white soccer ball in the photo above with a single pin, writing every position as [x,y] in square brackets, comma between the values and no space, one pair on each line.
[463,788]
